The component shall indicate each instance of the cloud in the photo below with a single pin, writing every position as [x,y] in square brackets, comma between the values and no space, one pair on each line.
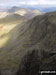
[37,2]
[51,2]
[47,3]
[28,2]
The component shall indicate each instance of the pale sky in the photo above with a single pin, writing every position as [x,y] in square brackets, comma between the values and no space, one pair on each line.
[50,3]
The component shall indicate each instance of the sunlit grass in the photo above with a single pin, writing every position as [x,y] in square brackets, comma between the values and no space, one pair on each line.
[4,34]
[3,41]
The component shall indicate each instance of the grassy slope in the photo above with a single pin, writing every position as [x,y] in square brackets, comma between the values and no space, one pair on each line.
[7,24]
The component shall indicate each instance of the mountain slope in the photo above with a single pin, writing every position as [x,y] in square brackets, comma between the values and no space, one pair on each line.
[38,34]
[13,9]
[23,11]
[37,12]
[12,18]
[27,13]
[3,14]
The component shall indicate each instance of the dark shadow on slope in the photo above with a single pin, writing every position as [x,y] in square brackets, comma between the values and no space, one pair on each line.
[0,73]
[32,64]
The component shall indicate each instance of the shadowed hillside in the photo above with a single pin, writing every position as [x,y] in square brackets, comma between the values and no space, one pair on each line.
[38,34]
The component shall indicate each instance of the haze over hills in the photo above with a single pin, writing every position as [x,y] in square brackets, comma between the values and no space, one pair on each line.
[27,13]
[41,8]
[38,34]
[50,9]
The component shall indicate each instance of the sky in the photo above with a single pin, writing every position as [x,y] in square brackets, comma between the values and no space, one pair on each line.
[46,3]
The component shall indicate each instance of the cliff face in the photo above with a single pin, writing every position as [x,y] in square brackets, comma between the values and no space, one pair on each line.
[37,34]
